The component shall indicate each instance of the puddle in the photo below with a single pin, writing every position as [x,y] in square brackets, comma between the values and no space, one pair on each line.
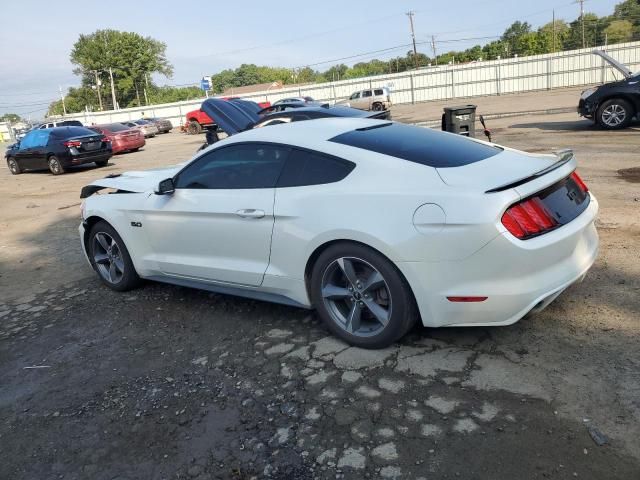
[630,174]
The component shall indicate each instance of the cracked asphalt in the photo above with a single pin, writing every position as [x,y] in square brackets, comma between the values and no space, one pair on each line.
[171,383]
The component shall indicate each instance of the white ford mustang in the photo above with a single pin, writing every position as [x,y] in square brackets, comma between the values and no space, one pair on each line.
[372,223]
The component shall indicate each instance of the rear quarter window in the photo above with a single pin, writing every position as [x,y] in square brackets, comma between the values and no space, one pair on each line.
[304,167]
[378,92]
[418,144]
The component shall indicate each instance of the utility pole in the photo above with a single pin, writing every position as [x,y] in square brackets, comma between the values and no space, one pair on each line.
[95,72]
[413,38]
[581,2]
[433,47]
[553,48]
[113,90]
[64,107]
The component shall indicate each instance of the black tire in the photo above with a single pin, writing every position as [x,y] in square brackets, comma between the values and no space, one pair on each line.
[614,114]
[129,278]
[194,128]
[134,149]
[14,166]
[401,306]
[377,107]
[55,166]
[102,163]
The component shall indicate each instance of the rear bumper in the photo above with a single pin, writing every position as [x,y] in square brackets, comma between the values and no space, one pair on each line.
[72,160]
[517,276]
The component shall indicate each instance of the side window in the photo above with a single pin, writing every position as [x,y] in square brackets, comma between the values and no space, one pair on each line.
[366,93]
[35,138]
[250,165]
[355,96]
[378,92]
[313,168]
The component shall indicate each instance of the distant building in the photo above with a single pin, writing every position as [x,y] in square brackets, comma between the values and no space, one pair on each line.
[258,87]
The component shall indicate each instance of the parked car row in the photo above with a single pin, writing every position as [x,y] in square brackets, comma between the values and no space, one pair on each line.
[58,145]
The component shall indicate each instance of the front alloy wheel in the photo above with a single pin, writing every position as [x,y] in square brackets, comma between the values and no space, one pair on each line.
[110,258]
[615,114]
[107,257]
[14,168]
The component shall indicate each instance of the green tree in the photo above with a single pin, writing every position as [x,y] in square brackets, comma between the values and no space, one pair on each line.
[546,36]
[10,117]
[513,34]
[619,31]
[132,58]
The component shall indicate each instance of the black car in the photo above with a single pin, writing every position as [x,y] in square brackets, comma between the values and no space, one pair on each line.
[57,149]
[237,115]
[612,105]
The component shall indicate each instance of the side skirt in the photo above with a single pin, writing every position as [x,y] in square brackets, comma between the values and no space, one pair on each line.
[227,290]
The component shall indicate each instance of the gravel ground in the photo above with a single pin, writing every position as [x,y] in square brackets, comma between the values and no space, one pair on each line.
[167,382]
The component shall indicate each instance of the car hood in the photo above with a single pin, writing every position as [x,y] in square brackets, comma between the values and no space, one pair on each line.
[505,170]
[135,181]
[621,67]
[232,116]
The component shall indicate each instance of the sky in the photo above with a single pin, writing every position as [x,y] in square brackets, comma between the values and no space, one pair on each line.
[37,36]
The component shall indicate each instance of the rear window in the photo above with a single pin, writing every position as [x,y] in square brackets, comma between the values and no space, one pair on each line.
[68,132]
[115,127]
[418,144]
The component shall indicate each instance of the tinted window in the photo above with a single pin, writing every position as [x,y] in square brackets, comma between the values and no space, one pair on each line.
[239,166]
[68,132]
[312,168]
[70,123]
[366,93]
[35,138]
[115,127]
[354,96]
[378,92]
[418,144]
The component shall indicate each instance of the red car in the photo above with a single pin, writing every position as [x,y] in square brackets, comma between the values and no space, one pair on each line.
[123,138]
[197,119]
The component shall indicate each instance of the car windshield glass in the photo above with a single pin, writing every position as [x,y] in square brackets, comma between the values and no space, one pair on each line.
[418,144]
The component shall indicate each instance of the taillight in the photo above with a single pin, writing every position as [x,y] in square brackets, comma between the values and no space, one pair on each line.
[528,218]
[72,143]
[576,178]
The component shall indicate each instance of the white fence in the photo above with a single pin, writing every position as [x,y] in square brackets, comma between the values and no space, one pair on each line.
[495,77]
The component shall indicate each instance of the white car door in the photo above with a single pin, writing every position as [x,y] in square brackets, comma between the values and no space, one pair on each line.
[217,224]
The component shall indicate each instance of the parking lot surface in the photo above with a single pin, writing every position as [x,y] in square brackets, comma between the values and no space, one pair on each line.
[168,382]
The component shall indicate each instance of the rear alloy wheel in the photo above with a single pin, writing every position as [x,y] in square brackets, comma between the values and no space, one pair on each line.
[13,165]
[55,166]
[377,107]
[614,114]
[110,258]
[194,128]
[361,296]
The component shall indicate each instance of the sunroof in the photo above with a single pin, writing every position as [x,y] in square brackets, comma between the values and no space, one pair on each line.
[417,144]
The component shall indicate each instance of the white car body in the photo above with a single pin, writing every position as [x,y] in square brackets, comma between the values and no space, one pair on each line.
[437,225]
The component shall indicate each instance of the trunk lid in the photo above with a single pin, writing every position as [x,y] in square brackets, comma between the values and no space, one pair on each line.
[507,169]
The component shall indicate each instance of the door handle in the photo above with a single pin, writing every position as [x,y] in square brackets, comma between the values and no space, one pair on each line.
[250,213]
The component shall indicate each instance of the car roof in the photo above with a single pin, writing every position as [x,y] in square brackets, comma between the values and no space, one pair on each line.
[305,133]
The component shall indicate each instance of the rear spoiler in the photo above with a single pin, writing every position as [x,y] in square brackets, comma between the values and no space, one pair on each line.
[564,156]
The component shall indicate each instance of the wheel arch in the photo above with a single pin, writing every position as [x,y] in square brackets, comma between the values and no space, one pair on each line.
[633,100]
[324,246]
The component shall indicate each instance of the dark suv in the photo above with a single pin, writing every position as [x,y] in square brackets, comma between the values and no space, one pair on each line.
[612,105]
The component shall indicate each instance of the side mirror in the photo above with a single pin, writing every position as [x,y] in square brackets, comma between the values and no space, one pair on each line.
[165,187]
